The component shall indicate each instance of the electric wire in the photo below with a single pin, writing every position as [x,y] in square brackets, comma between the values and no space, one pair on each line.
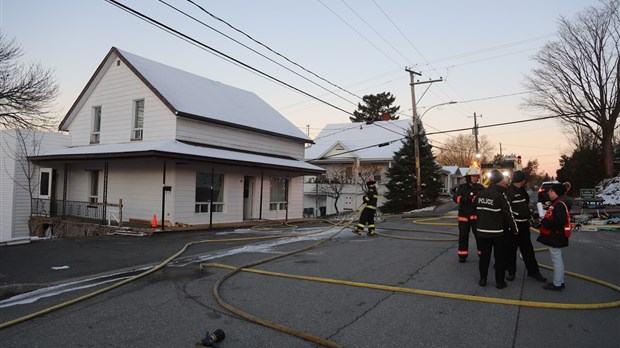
[253,50]
[360,34]
[217,52]
[272,50]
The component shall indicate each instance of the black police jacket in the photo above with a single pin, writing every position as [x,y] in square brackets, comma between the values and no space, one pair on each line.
[494,213]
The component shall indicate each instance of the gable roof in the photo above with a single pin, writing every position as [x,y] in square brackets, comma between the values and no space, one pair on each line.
[359,140]
[196,97]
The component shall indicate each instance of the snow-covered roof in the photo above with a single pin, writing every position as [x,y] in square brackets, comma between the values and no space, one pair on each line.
[452,170]
[190,95]
[359,140]
[176,149]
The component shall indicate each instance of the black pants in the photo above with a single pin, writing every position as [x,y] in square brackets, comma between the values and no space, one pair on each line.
[522,242]
[367,217]
[498,246]
[464,228]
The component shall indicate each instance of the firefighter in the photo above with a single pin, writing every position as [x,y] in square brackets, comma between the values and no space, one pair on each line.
[368,214]
[520,204]
[465,197]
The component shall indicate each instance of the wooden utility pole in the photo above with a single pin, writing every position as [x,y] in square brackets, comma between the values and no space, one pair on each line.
[416,141]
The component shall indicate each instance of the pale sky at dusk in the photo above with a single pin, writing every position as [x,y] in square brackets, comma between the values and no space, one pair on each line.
[481,49]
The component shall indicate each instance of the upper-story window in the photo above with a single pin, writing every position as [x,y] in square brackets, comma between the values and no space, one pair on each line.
[94,135]
[138,119]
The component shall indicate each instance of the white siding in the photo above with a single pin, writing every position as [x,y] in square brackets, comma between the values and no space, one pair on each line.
[7,185]
[138,183]
[218,135]
[15,197]
[115,93]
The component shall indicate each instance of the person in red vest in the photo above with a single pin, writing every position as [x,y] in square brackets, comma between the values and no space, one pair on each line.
[554,232]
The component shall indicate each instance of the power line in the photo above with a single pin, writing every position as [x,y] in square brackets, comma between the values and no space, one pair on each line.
[360,34]
[271,50]
[251,49]
[460,130]
[217,52]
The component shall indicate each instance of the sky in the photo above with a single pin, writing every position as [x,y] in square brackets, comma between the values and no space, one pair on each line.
[316,58]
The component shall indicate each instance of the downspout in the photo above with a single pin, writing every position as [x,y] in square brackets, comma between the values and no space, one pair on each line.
[163,197]
[288,182]
[260,205]
[211,203]
[105,191]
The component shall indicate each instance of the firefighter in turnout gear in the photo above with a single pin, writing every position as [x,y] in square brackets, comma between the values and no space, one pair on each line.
[368,214]
[465,197]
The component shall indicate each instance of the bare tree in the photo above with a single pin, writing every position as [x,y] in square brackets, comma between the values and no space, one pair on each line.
[461,150]
[366,171]
[26,92]
[333,185]
[579,76]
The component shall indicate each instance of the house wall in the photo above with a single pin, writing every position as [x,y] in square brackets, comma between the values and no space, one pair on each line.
[15,197]
[115,93]
[239,139]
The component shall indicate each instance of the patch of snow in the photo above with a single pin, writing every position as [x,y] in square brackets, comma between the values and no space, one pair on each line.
[609,191]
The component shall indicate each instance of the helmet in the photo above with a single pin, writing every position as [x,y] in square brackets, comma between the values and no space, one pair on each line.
[370,182]
[472,171]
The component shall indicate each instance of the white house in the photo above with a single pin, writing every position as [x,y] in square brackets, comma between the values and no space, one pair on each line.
[353,152]
[171,144]
[19,178]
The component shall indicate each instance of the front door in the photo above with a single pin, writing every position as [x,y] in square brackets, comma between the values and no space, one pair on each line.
[248,196]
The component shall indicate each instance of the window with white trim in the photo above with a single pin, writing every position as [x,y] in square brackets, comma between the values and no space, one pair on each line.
[93,186]
[138,120]
[45,183]
[277,193]
[96,128]
[209,187]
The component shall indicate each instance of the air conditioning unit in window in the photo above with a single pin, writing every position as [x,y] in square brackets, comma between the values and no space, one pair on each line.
[94,138]
[137,134]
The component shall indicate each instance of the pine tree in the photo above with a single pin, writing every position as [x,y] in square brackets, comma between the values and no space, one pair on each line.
[374,107]
[402,179]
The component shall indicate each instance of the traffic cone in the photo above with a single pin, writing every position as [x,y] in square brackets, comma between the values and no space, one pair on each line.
[154,222]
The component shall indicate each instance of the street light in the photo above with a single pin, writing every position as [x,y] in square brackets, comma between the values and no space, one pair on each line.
[434,106]
[416,145]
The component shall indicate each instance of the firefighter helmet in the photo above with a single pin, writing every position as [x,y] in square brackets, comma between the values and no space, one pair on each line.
[370,182]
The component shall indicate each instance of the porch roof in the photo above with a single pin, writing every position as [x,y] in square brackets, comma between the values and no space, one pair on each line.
[177,150]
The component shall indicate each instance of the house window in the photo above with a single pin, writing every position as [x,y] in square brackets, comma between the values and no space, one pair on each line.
[93,191]
[204,192]
[277,194]
[45,183]
[94,135]
[138,119]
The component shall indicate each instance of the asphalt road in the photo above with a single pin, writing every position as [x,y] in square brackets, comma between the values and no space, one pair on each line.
[175,306]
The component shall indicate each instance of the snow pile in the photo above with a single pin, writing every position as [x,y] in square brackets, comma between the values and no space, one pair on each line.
[609,191]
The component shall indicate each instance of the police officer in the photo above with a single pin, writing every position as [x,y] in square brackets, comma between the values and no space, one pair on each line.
[520,204]
[465,197]
[495,221]
[368,214]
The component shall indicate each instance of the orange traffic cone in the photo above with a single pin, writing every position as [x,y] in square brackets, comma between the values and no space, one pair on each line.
[154,222]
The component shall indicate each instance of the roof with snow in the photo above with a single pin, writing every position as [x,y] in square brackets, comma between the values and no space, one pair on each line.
[359,140]
[175,149]
[196,97]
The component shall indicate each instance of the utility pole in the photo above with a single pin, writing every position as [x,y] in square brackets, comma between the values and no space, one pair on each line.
[416,141]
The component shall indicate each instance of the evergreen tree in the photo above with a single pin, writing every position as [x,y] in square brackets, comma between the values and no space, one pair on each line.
[402,179]
[374,107]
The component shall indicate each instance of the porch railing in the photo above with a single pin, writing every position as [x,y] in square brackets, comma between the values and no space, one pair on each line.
[84,211]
